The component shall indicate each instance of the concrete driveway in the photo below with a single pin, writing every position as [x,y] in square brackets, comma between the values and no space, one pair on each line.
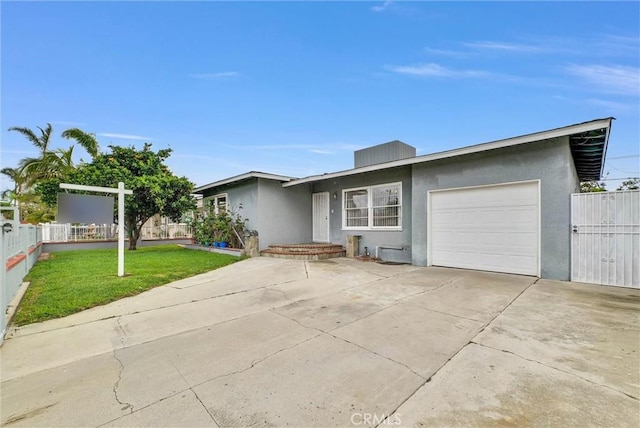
[273,342]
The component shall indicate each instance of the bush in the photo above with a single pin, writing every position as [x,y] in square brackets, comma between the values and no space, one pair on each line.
[222,227]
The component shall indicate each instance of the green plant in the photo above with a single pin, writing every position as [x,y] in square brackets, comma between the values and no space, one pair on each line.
[221,227]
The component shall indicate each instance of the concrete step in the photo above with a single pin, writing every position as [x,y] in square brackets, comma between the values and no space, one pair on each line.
[304,251]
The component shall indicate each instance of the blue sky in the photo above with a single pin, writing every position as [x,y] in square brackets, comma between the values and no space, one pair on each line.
[294,88]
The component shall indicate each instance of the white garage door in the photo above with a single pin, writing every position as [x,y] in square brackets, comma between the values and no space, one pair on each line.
[493,228]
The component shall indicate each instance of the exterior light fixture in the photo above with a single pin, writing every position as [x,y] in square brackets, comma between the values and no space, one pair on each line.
[7,227]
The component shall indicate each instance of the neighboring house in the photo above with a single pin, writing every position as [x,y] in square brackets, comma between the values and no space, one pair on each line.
[501,206]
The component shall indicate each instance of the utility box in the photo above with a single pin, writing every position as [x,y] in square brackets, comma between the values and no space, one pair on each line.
[353,244]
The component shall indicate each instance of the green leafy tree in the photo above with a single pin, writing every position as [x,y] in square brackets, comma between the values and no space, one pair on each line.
[592,186]
[156,190]
[630,184]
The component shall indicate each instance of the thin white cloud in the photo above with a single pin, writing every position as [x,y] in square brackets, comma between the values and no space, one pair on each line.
[212,76]
[67,123]
[618,79]
[328,148]
[505,47]
[449,52]
[193,156]
[618,45]
[277,147]
[437,70]
[397,9]
[612,105]
[123,136]
[384,6]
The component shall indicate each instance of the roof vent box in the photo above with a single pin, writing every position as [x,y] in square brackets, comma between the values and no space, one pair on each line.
[387,152]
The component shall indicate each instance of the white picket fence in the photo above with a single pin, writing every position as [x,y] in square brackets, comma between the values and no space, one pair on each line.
[20,246]
[52,232]
[165,231]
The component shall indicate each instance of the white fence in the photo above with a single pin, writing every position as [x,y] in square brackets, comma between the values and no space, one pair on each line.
[605,243]
[20,246]
[52,232]
[165,231]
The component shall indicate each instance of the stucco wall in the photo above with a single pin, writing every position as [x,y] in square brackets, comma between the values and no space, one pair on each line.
[284,214]
[371,238]
[280,215]
[245,195]
[549,160]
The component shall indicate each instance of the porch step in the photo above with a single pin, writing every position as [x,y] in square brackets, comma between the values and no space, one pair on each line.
[304,251]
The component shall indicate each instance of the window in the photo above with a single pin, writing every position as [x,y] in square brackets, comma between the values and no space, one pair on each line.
[217,204]
[373,207]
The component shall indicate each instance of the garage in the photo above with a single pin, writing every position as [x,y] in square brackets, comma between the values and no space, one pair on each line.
[493,228]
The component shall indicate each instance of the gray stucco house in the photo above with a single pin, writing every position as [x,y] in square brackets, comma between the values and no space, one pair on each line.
[500,206]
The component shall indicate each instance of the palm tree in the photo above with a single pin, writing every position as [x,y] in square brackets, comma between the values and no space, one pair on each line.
[52,163]
[48,164]
[41,142]
[15,175]
[84,139]
[31,168]
[24,198]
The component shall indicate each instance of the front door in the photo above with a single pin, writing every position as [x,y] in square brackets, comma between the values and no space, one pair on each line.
[321,217]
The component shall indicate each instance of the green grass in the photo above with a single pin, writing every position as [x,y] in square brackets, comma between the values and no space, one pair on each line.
[72,281]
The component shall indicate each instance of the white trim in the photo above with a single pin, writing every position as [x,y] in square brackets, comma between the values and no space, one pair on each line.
[507,183]
[529,138]
[214,200]
[539,202]
[370,207]
[241,177]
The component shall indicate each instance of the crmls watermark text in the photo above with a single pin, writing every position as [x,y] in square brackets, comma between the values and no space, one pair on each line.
[375,419]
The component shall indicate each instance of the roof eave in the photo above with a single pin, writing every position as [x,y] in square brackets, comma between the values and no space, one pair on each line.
[243,177]
[514,141]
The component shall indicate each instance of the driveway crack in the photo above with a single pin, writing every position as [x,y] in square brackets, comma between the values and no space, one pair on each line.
[351,343]
[458,351]
[506,351]
[379,355]
[205,408]
[256,362]
[120,371]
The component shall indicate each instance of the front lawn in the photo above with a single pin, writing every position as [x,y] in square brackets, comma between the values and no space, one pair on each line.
[72,281]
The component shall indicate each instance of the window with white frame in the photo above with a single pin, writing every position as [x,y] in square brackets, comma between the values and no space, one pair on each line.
[218,203]
[372,207]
